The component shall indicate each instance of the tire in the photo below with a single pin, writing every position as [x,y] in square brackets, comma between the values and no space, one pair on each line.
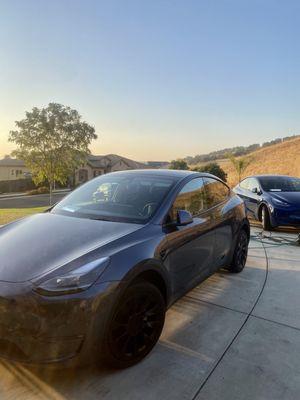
[135,326]
[265,219]
[240,253]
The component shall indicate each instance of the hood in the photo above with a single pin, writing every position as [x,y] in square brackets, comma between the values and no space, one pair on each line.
[292,198]
[38,244]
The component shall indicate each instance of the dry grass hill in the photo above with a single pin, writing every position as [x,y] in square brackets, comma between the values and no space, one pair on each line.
[282,158]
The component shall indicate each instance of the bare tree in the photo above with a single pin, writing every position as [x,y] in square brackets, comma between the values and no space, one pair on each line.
[240,164]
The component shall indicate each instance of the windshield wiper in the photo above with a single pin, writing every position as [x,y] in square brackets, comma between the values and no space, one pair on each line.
[100,218]
[119,219]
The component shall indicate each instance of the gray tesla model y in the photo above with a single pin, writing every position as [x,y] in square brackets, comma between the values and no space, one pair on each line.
[91,279]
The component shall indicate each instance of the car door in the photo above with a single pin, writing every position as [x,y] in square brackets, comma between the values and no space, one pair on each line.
[190,247]
[242,189]
[222,215]
[253,197]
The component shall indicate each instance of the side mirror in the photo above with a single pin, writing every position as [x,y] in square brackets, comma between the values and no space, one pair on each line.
[184,218]
[256,191]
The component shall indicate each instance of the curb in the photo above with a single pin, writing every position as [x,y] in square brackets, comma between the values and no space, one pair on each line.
[19,195]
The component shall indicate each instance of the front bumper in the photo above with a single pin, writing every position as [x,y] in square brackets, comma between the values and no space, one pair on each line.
[286,217]
[36,329]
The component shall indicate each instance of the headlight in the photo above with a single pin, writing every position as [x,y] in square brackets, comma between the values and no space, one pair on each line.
[73,281]
[280,202]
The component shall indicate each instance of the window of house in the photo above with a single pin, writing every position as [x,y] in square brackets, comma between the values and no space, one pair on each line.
[82,175]
[97,173]
[216,191]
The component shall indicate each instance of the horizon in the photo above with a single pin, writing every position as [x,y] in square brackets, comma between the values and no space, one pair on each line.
[261,146]
[193,77]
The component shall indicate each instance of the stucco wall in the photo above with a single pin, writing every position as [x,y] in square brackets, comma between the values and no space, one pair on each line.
[12,173]
[79,174]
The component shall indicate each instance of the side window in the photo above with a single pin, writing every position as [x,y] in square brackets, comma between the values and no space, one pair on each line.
[244,184]
[216,191]
[253,184]
[191,198]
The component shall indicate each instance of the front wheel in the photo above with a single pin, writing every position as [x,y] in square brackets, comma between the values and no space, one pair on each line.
[135,326]
[240,253]
[265,219]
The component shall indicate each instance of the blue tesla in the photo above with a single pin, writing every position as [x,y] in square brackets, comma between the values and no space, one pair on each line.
[272,199]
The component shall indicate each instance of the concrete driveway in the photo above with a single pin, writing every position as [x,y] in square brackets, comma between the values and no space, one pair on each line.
[232,337]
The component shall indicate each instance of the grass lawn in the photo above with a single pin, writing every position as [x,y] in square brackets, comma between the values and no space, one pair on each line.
[11,214]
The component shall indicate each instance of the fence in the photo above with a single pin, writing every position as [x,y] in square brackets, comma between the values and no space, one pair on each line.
[17,185]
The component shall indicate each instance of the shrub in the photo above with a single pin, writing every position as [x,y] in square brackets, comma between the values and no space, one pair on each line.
[178,164]
[214,169]
[17,185]
[40,190]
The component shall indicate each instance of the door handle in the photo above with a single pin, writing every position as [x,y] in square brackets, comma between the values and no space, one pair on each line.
[163,253]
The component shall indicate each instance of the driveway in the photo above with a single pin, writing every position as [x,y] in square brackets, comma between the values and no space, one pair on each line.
[234,337]
[40,200]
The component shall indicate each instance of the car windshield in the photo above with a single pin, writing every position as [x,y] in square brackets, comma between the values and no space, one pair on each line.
[280,184]
[117,197]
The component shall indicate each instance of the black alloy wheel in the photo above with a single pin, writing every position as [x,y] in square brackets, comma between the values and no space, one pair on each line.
[136,325]
[240,254]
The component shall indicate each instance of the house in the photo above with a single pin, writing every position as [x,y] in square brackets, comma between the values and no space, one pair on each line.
[12,169]
[99,165]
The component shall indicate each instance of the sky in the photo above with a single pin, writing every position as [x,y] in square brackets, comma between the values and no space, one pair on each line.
[157,79]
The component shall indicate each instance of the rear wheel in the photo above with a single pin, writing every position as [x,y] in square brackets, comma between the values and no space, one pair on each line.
[265,219]
[240,253]
[135,326]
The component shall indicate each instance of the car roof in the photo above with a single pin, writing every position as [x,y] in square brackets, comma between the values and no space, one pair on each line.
[172,173]
[269,176]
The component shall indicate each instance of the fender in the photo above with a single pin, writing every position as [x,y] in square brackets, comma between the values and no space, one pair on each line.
[153,266]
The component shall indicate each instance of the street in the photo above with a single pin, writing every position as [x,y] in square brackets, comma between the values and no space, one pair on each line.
[40,200]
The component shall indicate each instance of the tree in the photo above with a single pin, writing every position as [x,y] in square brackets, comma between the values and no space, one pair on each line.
[213,168]
[240,165]
[52,142]
[178,164]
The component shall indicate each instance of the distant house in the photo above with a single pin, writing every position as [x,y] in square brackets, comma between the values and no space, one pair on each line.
[12,169]
[99,165]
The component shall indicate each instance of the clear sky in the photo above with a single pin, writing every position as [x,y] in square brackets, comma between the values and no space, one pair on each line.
[158,79]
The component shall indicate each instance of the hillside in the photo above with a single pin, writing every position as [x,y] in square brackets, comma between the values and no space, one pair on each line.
[236,151]
[282,158]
